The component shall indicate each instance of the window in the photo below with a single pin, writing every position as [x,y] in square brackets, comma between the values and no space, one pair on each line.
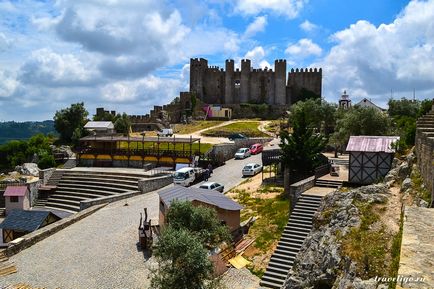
[14,199]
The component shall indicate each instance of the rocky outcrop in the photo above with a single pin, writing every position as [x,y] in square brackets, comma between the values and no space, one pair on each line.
[320,264]
[28,169]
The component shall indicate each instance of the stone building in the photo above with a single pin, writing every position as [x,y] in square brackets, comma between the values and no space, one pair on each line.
[214,85]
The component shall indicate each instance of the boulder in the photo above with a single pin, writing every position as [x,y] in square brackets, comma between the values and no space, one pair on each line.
[391,176]
[403,170]
[406,184]
[28,169]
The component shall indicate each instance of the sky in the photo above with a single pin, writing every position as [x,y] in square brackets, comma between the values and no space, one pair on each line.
[129,55]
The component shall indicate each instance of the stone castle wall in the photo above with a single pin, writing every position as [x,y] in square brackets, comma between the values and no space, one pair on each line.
[425,150]
[214,85]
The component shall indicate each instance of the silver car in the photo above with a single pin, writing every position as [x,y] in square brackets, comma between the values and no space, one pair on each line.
[213,186]
[251,169]
[242,153]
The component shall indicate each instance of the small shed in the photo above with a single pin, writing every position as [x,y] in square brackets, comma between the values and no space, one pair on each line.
[227,209]
[16,197]
[370,158]
[100,127]
[21,222]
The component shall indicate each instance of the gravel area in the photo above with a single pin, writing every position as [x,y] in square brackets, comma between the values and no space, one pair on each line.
[99,251]
[240,279]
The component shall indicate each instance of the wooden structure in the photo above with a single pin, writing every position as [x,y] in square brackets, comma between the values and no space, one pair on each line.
[126,151]
[21,222]
[370,158]
[145,232]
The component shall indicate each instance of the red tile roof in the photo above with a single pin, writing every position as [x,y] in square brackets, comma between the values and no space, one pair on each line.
[15,191]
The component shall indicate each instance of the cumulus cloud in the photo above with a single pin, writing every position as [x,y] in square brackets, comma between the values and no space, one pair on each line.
[308,26]
[288,8]
[4,42]
[47,68]
[8,84]
[373,60]
[257,57]
[303,48]
[258,25]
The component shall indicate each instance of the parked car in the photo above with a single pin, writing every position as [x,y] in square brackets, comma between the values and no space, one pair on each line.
[256,148]
[251,169]
[186,176]
[165,132]
[236,136]
[212,186]
[242,153]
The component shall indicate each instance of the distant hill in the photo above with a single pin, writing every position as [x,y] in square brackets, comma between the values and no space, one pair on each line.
[12,130]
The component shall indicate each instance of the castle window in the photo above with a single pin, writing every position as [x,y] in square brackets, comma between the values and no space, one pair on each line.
[237,82]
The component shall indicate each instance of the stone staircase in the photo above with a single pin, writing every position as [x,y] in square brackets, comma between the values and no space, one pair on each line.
[329,183]
[70,163]
[76,186]
[293,236]
[55,178]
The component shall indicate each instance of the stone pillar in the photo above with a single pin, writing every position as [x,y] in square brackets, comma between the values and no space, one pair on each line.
[229,82]
[280,81]
[245,80]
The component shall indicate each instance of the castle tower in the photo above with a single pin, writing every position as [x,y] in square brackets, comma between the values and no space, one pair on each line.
[245,80]
[345,101]
[280,81]
[197,76]
[229,82]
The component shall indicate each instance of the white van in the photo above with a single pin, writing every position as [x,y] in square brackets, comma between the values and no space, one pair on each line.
[187,176]
[165,132]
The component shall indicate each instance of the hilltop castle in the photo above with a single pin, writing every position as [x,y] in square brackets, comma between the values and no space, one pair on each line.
[214,85]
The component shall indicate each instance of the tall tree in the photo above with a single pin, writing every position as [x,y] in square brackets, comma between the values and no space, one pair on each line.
[301,150]
[70,121]
[200,221]
[317,114]
[182,261]
[182,253]
[122,123]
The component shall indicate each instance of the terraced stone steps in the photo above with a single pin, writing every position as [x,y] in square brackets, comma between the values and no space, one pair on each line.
[55,177]
[328,183]
[298,228]
[76,186]
[70,163]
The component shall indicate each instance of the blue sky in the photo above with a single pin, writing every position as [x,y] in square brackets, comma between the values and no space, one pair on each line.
[128,55]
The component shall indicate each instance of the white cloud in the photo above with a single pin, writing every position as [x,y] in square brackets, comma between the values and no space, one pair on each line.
[308,26]
[258,25]
[8,84]
[4,42]
[146,90]
[288,8]
[257,57]
[50,69]
[373,60]
[303,48]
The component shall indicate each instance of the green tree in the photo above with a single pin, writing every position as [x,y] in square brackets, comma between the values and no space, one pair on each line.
[200,221]
[122,123]
[360,121]
[403,107]
[301,150]
[182,261]
[68,120]
[317,114]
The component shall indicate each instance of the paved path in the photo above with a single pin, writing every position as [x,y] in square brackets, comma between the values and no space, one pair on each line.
[97,252]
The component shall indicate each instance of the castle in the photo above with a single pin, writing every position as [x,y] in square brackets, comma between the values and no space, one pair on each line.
[213,85]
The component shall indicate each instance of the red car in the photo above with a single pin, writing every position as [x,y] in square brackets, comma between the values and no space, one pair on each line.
[256,148]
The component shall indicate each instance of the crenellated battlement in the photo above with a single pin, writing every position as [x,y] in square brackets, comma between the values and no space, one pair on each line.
[230,85]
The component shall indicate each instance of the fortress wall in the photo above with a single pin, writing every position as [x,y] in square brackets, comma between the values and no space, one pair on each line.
[425,150]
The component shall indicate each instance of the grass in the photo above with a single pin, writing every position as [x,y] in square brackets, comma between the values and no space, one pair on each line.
[396,252]
[248,128]
[419,189]
[273,126]
[272,215]
[195,126]
[369,245]
[204,147]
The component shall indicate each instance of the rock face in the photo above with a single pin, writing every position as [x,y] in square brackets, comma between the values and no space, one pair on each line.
[28,169]
[319,263]
[65,150]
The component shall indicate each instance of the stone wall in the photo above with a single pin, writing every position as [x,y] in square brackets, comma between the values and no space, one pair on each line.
[34,191]
[45,175]
[152,184]
[425,150]
[223,152]
[296,189]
